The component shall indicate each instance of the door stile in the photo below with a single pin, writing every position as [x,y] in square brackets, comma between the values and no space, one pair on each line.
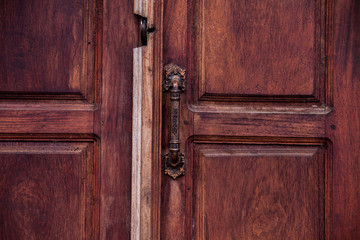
[142,138]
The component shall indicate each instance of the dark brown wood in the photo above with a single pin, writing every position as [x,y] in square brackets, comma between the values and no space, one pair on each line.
[46,118]
[260,124]
[343,126]
[48,49]
[173,202]
[65,118]
[157,175]
[267,49]
[270,120]
[119,38]
[237,198]
[47,190]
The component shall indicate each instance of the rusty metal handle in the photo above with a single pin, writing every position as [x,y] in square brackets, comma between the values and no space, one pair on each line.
[174,82]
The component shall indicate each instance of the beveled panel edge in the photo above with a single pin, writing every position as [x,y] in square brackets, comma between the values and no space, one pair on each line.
[268,152]
[259,140]
[89,189]
[322,94]
[88,147]
[91,47]
[216,108]
[324,145]
[50,137]
[42,96]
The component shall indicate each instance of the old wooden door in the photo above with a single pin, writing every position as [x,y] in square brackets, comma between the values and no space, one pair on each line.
[65,118]
[269,121]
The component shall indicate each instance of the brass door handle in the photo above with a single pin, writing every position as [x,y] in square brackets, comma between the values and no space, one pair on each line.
[174,82]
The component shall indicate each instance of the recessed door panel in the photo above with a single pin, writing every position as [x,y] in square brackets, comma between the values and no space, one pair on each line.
[47,190]
[264,191]
[260,50]
[47,49]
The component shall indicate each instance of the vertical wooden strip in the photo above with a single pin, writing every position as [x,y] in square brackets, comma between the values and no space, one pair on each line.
[157,118]
[136,145]
[138,7]
[143,8]
[120,31]
[343,126]
[142,130]
[175,47]
[142,144]
[147,133]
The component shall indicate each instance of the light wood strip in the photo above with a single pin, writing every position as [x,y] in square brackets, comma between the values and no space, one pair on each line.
[136,145]
[142,131]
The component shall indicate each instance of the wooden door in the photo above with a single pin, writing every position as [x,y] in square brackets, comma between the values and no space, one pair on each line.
[269,121]
[65,118]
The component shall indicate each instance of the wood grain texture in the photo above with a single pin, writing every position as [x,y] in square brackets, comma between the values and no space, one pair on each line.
[265,70]
[47,190]
[147,127]
[136,163]
[343,126]
[157,172]
[264,51]
[46,119]
[49,181]
[119,38]
[259,125]
[174,50]
[141,185]
[66,74]
[48,49]
[258,73]
[237,198]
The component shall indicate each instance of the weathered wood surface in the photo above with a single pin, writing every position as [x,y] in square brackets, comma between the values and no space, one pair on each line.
[264,74]
[66,109]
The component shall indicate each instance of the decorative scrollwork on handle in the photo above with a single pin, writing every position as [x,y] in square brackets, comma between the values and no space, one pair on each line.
[174,82]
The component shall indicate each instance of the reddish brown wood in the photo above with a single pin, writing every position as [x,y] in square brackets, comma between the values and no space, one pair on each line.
[343,126]
[47,190]
[48,49]
[119,38]
[65,85]
[66,74]
[44,119]
[157,174]
[173,202]
[237,198]
[264,75]
[268,48]
[290,125]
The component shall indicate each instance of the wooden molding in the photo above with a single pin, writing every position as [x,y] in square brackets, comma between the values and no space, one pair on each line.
[142,143]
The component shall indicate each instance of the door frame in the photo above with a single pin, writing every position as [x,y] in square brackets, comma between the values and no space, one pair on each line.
[147,121]
[146,128]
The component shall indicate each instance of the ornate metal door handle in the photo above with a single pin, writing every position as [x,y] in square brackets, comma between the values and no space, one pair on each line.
[174,82]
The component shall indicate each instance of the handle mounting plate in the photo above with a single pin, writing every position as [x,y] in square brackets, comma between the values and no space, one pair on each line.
[174,82]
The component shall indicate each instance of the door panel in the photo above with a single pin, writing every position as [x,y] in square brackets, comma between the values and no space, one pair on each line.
[47,189]
[260,191]
[260,49]
[48,49]
[65,118]
[49,154]
[259,120]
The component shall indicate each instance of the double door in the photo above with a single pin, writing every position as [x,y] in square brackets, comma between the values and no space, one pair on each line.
[265,135]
